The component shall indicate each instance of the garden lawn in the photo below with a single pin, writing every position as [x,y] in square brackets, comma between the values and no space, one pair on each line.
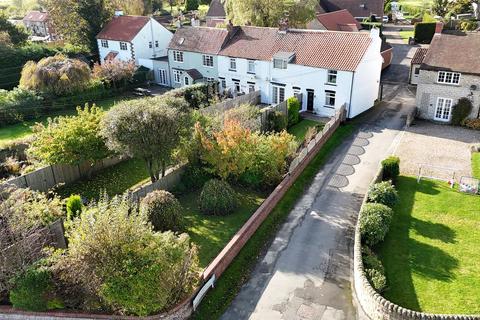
[212,233]
[476,165]
[300,129]
[431,253]
[22,130]
[405,34]
[113,180]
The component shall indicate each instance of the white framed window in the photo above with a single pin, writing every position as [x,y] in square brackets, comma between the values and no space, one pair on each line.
[150,45]
[178,56]
[233,64]
[186,81]
[162,76]
[448,77]
[296,90]
[236,85]
[207,60]
[417,70]
[123,45]
[223,83]
[443,110]
[176,76]
[329,98]
[156,43]
[251,86]
[332,76]
[251,66]
[278,94]
[280,63]
[210,79]
[104,43]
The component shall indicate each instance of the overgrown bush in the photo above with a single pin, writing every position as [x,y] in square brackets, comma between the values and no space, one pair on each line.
[33,290]
[276,121]
[19,104]
[217,198]
[473,124]
[391,168]
[74,206]
[115,261]
[197,95]
[163,211]
[461,110]
[247,115]
[194,177]
[383,192]
[116,72]
[293,106]
[374,222]
[424,31]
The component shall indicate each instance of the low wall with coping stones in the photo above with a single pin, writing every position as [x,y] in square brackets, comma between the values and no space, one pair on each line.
[373,304]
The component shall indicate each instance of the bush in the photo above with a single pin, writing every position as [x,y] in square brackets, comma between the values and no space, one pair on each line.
[217,198]
[376,279]
[197,95]
[374,222]
[194,177]
[473,124]
[468,25]
[18,105]
[461,110]
[293,106]
[391,168]
[424,32]
[191,5]
[115,260]
[163,210]
[374,270]
[276,121]
[74,206]
[383,192]
[32,290]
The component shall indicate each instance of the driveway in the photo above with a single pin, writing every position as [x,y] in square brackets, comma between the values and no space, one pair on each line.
[306,272]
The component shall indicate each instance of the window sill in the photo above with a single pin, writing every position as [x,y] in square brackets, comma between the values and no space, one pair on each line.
[449,84]
[253,73]
[329,107]
[232,70]
[330,84]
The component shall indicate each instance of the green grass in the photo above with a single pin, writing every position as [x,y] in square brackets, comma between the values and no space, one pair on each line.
[22,130]
[212,233]
[227,286]
[476,165]
[431,252]
[113,180]
[300,129]
[405,34]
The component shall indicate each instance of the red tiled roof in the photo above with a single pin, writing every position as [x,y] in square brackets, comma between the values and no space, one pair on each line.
[194,74]
[123,28]
[321,49]
[199,39]
[419,56]
[216,9]
[340,20]
[36,16]
[358,8]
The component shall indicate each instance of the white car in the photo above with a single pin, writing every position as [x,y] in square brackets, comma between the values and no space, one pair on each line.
[385,19]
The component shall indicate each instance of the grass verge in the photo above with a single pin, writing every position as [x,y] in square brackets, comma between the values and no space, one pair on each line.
[300,129]
[431,252]
[227,286]
[476,165]
[405,34]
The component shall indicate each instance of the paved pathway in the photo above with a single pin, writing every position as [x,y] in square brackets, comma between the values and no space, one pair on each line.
[306,272]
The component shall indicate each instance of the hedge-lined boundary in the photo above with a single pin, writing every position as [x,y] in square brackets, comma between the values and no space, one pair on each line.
[373,304]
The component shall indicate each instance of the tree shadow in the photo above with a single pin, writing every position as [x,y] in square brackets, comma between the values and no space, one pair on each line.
[433,230]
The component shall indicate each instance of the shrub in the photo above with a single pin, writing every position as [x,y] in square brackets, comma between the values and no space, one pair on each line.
[217,198]
[374,222]
[163,210]
[461,110]
[197,95]
[391,168]
[424,31]
[383,192]
[191,5]
[468,25]
[115,71]
[74,206]
[276,121]
[115,259]
[293,106]
[194,177]
[374,270]
[247,115]
[376,279]
[473,124]
[32,290]
[19,104]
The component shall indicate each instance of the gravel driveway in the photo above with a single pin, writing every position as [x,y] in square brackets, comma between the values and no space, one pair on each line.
[438,145]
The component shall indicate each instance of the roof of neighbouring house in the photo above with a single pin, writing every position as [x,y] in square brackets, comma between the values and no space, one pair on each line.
[340,20]
[314,48]
[123,28]
[36,16]
[194,74]
[419,56]
[216,9]
[445,49]
[357,8]
[199,39]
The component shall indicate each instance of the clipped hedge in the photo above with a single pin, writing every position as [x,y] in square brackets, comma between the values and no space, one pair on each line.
[390,168]
[383,192]
[375,219]
[374,269]
[163,210]
[217,198]
[424,31]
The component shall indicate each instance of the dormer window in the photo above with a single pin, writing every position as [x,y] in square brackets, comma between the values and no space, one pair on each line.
[104,43]
[281,59]
[280,63]
[178,56]
[123,45]
[448,77]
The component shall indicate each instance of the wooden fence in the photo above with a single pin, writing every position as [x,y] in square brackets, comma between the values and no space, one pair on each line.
[168,182]
[219,108]
[48,177]
[282,107]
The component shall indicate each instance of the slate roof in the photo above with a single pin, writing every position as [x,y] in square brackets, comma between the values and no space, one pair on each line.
[199,39]
[321,49]
[358,8]
[123,28]
[340,20]
[194,74]
[419,56]
[444,50]
[36,16]
[216,10]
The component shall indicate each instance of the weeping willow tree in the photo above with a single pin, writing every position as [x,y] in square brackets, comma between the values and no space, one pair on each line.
[58,74]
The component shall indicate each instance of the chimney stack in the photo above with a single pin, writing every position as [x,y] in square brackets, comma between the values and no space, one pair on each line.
[229,26]
[283,25]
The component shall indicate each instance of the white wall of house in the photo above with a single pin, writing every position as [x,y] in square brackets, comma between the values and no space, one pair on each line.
[124,55]
[192,60]
[160,70]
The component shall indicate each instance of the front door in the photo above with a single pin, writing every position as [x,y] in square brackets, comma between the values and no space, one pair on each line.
[310,97]
[443,111]
[162,76]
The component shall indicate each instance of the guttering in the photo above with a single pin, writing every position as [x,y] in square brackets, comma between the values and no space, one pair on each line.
[351,92]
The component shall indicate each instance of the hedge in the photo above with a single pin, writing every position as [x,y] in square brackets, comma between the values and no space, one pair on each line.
[424,32]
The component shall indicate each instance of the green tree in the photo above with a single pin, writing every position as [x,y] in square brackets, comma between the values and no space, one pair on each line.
[191,5]
[16,35]
[148,129]
[71,139]
[440,7]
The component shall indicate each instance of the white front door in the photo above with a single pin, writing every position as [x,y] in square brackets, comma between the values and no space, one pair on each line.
[162,76]
[443,111]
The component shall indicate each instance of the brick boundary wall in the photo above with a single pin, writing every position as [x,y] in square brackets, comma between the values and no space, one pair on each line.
[373,304]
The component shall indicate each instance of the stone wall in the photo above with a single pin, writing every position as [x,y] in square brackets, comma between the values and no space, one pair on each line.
[373,304]
[428,90]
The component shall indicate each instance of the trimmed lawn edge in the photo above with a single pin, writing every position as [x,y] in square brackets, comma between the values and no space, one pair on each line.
[228,285]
